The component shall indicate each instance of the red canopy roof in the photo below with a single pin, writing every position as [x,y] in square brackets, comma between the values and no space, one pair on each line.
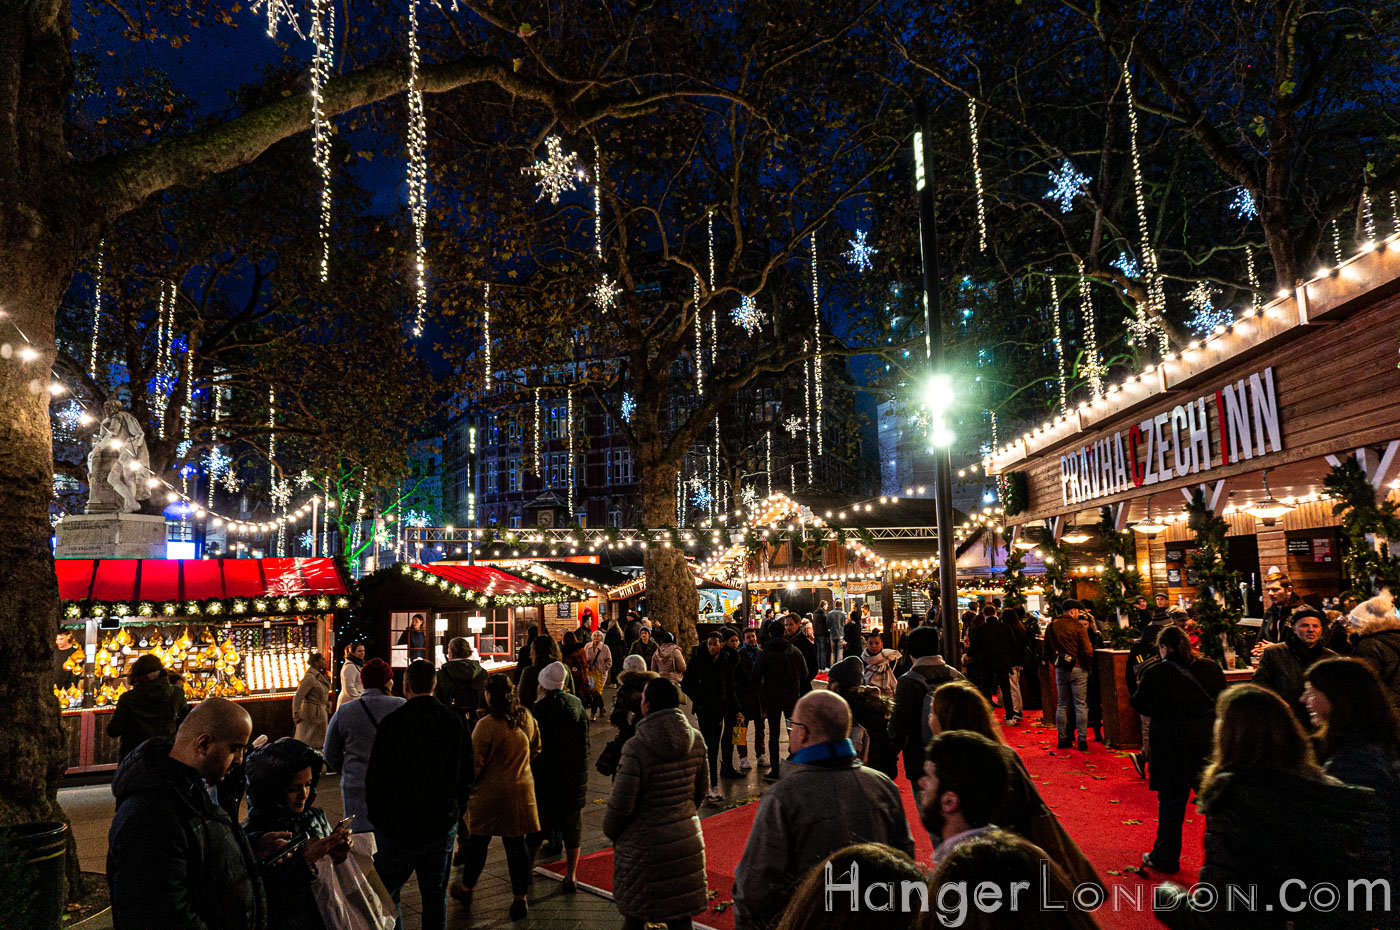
[130,580]
[483,579]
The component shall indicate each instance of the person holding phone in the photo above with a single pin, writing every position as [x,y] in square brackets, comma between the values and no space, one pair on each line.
[282,779]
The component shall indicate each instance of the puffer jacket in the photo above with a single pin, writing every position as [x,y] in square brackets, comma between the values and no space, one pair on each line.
[1379,644]
[815,810]
[1265,827]
[461,685]
[659,853]
[151,710]
[669,662]
[782,676]
[174,857]
[291,902]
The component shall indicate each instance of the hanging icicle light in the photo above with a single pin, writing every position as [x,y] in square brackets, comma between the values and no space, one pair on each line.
[486,335]
[768,459]
[96,308]
[699,340]
[1093,364]
[1336,243]
[1256,299]
[1368,218]
[977,175]
[276,11]
[538,470]
[323,35]
[807,398]
[816,358]
[569,431]
[1059,352]
[1145,323]
[417,174]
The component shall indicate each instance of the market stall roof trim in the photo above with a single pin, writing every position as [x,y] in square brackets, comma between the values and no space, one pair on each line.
[179,587]
[481,578]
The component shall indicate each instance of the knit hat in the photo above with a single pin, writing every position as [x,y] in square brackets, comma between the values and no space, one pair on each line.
[920,641]
[634,663]
[552,676]
[846,674]
[376,674]
[663,637]
[1070,604]
[1380,607]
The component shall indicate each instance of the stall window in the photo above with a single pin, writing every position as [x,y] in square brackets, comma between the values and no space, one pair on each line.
[398,622]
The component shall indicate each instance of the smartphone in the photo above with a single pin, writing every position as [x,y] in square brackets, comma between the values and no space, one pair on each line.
[286,851]
[343,823]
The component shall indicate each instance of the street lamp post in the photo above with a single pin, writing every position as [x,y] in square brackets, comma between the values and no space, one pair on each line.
[940,391]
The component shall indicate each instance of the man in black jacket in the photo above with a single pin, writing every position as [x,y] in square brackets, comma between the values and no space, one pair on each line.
[174,857]
[709,683]
[420,775]
[782,677]
[994,645]
[461,682]
[909,729]
[792,627]
[822,631]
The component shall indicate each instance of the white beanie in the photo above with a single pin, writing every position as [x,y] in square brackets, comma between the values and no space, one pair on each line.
[1380,607]
[634,663]
[552,676]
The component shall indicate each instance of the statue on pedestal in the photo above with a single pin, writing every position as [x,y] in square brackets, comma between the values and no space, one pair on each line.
[118,464]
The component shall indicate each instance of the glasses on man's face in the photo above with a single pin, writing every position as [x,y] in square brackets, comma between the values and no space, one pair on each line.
[798,723]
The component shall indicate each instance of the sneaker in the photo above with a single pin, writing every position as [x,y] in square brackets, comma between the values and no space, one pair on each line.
[763,760]
[1139,764]
[1013,721]
[744,765]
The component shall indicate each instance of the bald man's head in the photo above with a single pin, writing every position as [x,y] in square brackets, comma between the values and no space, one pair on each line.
[823,716]
[212,738]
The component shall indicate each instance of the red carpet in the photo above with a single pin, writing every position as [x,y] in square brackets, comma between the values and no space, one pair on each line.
[1097,796]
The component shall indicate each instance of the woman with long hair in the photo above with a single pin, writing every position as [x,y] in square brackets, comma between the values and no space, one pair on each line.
[522,655]
[1274,818]
[808,909]
[544,649]
[1358,735]
[1179,695]
[1006,860]
[351,687]
[503,799]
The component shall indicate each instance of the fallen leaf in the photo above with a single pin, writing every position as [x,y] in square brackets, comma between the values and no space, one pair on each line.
[1132,823]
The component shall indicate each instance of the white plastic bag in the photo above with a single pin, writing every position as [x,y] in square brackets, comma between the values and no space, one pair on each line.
[350,894]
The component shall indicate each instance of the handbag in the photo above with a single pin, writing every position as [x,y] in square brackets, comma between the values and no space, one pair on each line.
[740,735]
[609,757]
[350,895]
[1061,849]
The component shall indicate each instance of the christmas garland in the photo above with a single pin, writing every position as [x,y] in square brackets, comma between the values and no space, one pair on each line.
[211,607]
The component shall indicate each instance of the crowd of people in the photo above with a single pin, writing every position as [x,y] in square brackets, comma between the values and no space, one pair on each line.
[429,778]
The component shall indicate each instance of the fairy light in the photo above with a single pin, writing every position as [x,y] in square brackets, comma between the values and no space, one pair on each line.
[165,323]
[96,308]
[216,457]
[1059,353]
[417,173]
[538,468]
[486,333]
[276,11]
[1156,295]
[680,501]
[1395,211]
[699,341]
[1093,365]
[1368,217]
[569,431]
[977,174]
[1336,243]
[323,34]
[768,459]
[1207,316]
[1256,299]
[187,411]
[807,399]
[714,473]
[816,363]
[710,223]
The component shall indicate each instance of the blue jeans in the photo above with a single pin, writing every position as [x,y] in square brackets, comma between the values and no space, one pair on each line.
[397,859]
[1072,710]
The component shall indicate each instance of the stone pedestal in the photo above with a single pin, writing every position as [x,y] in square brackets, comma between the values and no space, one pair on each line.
[111,536]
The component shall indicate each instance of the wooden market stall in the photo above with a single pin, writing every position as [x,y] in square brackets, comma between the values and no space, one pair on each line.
[235,628]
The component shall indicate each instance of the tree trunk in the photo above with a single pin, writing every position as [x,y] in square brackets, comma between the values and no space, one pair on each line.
[672,598]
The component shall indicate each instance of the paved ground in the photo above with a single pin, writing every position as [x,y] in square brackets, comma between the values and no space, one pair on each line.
[90,809]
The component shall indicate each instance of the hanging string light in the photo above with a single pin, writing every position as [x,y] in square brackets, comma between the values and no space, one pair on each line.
[165,319]
[1145,322]
[1059,353]
[569,430]
[977,174]
[323,35]
[486,334]
[1336,243]
[1256,299]
[538,470]
[680,501]
[1368,217]
[714,473]
[276,11]
[807,398]
[817,358]
[326,520]
[1093,365]
[216,457]
[768,459]
[186,413]
[1395,211]
[96,308]
[699,341]
[417,173]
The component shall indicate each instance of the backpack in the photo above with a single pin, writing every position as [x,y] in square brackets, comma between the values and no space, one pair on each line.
[925,731]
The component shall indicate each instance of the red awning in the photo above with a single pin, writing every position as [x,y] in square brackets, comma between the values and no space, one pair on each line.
[483,579]
[131,580]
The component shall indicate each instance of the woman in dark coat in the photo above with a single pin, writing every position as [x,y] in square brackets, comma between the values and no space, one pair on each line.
[870,715]
[612,638]
[543,651]
[561,773]
[282,780]
[1179,695]
[522,655]
[151,709]
[1273,817]
[1358,732]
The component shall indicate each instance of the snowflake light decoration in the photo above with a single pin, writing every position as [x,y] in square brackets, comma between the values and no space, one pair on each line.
[1128,265]
[183,449]
[557,173]
[1141,330]
[629,407]
[747,315]
[605,294]
[749,496]
[304,479]
[1066,183]
[281,494]
[307,539]
[1243,206]
[793,425]
[859,255]
[1207,316]
[70,415]
[702,498]
[415,518]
